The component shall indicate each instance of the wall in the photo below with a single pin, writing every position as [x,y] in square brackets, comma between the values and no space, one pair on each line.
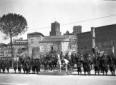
[105,39]
[33,43]
[84,41]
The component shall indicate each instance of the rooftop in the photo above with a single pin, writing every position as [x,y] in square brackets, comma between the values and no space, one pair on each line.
[35,33]
[54,38]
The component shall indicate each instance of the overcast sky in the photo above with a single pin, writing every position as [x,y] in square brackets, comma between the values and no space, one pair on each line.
[41,13]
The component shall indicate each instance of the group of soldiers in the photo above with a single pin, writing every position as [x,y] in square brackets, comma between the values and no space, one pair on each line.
[82,63]
[27,65]
[5,64]
[99,63]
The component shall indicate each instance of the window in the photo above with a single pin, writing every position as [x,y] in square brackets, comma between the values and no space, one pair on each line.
[32,40]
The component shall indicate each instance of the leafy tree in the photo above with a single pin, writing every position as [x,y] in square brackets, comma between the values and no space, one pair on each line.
[12,25]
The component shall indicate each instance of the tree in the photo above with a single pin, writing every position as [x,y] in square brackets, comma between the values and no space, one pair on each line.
[12,25]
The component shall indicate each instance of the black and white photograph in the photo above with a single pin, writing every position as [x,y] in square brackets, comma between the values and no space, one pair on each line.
[57,42]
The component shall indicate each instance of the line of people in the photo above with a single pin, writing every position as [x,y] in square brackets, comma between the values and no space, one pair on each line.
[98,63]
[82,63]
[5,65]
[27,65]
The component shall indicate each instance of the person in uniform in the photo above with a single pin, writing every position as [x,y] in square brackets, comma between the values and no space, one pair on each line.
[66,64]
[3,66]
[15,66]
[0,65]
[33,66]
[79,64]
[24,66]
[37,67]
[28,66]
[19,66]
[7,65]
[59,62]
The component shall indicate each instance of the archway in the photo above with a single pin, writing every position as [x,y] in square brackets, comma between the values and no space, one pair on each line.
[35,52]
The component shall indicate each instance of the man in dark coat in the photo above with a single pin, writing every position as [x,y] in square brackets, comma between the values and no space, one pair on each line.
[33,66]
[7,65]
[0,65]
[19,66]
[15,66]
[37,63]
[3,66]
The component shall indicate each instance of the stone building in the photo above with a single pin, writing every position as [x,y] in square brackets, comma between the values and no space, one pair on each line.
[34,44]
[55,29]
[2,48]
[101,38]
[77,29]
[19,46]
[39,44]
[84,42]
[105,38]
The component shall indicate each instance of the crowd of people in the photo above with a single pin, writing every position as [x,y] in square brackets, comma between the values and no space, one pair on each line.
[26,64]
[101,64]
[5,64]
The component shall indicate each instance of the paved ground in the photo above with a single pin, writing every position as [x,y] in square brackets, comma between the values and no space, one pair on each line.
[36,79]
[56,72]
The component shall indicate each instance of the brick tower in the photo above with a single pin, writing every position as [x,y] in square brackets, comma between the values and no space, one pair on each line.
[55,29]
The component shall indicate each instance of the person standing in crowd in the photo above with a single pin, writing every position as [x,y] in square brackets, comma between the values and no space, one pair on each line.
[33,66]
[0,65]
[37,63]
[15,66]
[59,62]
[7,65]
[3,66]
[66,64]
[19,66]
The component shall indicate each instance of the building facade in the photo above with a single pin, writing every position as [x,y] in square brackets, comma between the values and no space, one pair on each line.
[2,48]
[55,29]
[101,38]
[34,48]
[18,45]
[39,44]
[84,42]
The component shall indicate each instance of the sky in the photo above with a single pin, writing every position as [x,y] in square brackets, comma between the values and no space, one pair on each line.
[41,13]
